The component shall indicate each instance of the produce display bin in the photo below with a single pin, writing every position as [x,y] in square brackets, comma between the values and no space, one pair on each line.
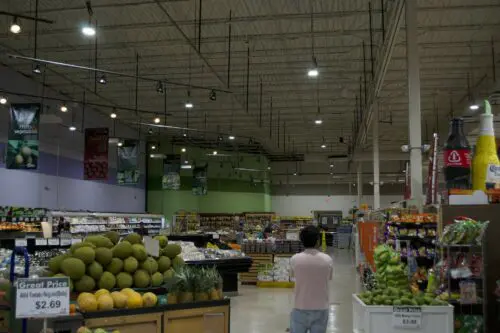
[379,319]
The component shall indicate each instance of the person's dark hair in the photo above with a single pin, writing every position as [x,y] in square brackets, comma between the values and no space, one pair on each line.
[309,236]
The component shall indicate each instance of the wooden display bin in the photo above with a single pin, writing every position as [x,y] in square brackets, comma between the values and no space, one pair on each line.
[197,317]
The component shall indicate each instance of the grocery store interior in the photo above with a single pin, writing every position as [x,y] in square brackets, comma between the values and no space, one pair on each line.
[159,160]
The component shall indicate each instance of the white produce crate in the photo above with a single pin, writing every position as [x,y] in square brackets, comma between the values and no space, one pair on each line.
[378,319]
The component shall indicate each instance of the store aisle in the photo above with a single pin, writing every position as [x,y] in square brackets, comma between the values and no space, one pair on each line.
[260,310]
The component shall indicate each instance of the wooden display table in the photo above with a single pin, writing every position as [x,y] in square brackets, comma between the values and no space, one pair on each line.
[197,317]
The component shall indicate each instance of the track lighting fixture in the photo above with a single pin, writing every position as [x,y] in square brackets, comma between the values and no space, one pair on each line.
[37,69]
[15,28]
[313,71]
[102,79]
[159,88]
[3,100]
[188,104]
[63,108]
[213,95]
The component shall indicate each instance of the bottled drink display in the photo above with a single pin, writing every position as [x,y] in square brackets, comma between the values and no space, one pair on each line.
[457,159]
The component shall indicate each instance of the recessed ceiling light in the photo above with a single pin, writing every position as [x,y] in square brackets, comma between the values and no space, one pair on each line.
[188,105]
[3,100]
[64,108]
[313,72]
[113,115]
[318,121]
[474,107]
[231,137]
[88,30]
[157,120]
[15,28]
[183,150]
[72,128]
[215,152]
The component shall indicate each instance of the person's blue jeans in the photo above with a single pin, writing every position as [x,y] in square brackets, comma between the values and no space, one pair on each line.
[312,321]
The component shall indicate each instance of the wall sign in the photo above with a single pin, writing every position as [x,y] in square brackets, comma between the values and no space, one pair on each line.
[22,146]
[95,157]
[406,317]
[42,297]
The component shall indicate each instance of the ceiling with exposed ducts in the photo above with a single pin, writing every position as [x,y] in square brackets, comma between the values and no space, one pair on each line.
[253,58]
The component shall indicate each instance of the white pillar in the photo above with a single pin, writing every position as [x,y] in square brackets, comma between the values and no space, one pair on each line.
[360,183]
[414,119]
[376,159]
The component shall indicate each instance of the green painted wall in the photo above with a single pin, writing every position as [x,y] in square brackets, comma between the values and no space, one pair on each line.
[229,190]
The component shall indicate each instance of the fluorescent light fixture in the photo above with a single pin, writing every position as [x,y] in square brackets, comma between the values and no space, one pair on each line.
[188,105]
[215,152]
[183,150]
[231,137]
[323,146]
[15,28]
[313,72]
[113,115]
[474,107]
[318,121]
[157,120]
[120,144]
[64,108]
[72,128]
[88,30]
[186,166]
[3,100]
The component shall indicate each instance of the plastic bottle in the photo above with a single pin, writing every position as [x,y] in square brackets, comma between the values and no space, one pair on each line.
[486,150]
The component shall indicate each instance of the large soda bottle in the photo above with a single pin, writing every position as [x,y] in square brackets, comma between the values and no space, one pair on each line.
[457,157]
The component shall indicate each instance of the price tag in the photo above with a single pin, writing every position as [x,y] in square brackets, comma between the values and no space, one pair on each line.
[42,297]
[76,240]
[468,292]
[215,235]
[41,242]
[22,242]
[406,317]
[54,241]
[65,241]
[152,246]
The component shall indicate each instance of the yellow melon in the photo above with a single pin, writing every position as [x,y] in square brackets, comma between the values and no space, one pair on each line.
[127,291]
[81,295]
[134,301]
[105,302]
[119,299]
[87,303]
[149,299]
[101,292]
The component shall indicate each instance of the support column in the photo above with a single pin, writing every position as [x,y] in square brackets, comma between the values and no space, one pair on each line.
[414,112]
[376,160]
[360,183]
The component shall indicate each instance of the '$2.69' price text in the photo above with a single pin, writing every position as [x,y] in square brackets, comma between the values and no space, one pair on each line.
[47,305]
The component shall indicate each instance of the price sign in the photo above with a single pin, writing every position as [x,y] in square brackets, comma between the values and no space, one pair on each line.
[152,246]
[42,297]
[76,240]
[41,242]
[22,242]
[54,241]
[406,317]
[65,241]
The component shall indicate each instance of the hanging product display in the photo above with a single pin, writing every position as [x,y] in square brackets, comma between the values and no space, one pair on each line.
[127,170]
[22,150]
[485,157]
[95,160]
[171,179]
[200,185]
[457,161]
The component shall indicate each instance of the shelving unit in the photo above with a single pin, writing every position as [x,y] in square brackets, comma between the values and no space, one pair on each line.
[83,223]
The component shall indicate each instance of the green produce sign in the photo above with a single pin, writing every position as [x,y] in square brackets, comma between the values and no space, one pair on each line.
[22,148]
[171,179]
[128,171]
[200,186]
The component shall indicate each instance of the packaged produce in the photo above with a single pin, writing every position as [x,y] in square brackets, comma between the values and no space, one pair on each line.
[464,230]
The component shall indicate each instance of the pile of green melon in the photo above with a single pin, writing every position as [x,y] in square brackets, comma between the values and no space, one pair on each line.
[105,262]
[390,272]
[394,296]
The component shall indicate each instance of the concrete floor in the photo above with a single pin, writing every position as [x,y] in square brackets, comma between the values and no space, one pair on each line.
[259,310]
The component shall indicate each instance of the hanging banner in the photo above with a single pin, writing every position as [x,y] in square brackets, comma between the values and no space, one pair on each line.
[171,179]
[95,157]
[127,163]
[200,180]
[22,149]
[432,176]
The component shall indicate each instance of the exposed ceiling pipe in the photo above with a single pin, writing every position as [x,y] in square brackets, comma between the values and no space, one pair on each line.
[26,17]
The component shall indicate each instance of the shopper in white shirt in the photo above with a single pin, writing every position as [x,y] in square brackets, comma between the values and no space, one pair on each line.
[312,270]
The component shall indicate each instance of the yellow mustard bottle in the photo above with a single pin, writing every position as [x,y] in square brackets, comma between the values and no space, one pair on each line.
[486,150]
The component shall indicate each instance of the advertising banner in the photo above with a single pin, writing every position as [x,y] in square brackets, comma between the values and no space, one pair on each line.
[200,180]
[171,179]
[127,163]
[22,147]
[95,157]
